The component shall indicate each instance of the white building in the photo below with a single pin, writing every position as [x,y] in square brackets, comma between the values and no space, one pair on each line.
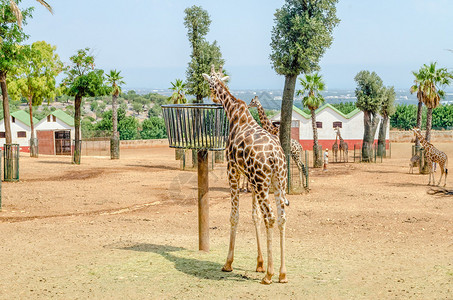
[20,130]
[54,132]
[327,118]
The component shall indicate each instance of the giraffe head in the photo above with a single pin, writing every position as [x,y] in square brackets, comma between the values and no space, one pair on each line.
[255,102]
[417,131]
[214,79]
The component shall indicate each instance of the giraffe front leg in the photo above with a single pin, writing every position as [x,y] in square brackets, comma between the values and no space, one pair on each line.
[430,173]
[234,217]
[256,220]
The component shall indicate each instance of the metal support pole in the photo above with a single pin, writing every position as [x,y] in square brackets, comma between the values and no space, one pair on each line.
[203,200]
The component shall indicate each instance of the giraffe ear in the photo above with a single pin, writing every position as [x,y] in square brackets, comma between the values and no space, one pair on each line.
[225,78]
[207,77]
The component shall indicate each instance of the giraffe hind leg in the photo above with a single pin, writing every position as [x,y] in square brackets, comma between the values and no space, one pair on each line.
[256,217]
[262,195]
[442,173]
[281,221]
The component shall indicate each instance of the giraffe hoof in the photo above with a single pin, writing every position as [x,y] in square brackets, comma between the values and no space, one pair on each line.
[282,278]
[227,268]
[260,268]
[266,280]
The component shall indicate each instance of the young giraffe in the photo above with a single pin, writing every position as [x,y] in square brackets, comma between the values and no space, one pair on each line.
[433,156]
[296,147]
[257,154]
[343,146]
[335,148]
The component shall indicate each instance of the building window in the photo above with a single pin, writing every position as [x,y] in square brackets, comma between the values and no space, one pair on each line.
[2,134]
[338,124]
[318,124]
[48,118]
[54,119]
[295,124]
[13,119]
[21,134]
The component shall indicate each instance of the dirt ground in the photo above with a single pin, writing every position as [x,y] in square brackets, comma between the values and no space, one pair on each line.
[127,229]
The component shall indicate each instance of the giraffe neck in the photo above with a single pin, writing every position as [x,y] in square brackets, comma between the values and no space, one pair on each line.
[267,124]
[236,110]
[428,147]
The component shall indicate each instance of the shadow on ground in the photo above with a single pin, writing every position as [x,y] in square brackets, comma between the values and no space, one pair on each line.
[55,162]
[157,167]
[202,269]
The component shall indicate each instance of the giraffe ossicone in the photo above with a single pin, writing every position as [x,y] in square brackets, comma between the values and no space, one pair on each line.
[257,154]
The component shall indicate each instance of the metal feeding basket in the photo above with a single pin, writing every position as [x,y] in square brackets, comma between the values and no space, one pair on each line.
[196,126]
[202,127]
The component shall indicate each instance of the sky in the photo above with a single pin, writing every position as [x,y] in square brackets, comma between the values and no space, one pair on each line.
[147,40]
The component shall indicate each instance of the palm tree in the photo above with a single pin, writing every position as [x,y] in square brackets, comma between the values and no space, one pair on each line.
[179,97]
[432,92]
[312,86]
[115,80]
[179,92]
[16,11]
[420,77]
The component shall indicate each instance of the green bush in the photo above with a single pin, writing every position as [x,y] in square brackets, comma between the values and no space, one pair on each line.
[153,128]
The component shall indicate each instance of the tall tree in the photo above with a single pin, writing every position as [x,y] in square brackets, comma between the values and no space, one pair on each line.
[431,91]
[386,111]
[82,80]
[312,86]
[204,54]
[115,81]
[369,93]
[11,35]
[302,32]
[34,79]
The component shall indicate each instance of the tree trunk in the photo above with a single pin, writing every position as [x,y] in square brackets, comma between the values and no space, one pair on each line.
[316,154]
[77,138]
[370,123]
[287,112]
[429,123]
[382,135]
[419,120]
[6,114]
[199,99]
[33,145]
[115,141]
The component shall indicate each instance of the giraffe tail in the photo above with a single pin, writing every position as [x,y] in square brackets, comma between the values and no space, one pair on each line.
[286,201]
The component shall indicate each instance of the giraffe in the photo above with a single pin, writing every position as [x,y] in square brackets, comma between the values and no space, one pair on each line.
[296,147]
[433,155]
[343,147]
[257,154]
[335,148]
